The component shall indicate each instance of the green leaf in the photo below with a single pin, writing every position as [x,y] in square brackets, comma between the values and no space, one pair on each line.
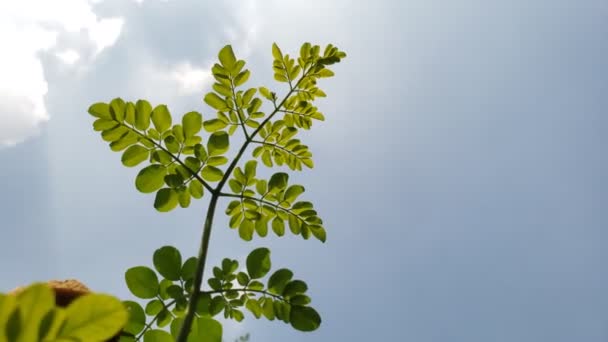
[137,317]
[117,109]
[93,317]
[8,304]
[268,309]
[104,124]
[130,113]
[278,226]
[200,152]
[294,287]
[255,308]
[208,330]
[216,102]
[217,160]
[172,144]
[142,282]
[196,189]
[192,123]
[246,229]
[151,178]
[250,168]
[164,318]
[134,155]
[166,200]
[142,114]
[235,186]
[114,134]
[161,118]
[188,268]
[168,262]
[241,78]
[304,318]
[276,52]
[292,193]
[125,141]
[278,280]
[299,300]
[258,263]
[237,315]
[261,226]
[227,57]
[154,307]
[100,110]
[278,182]
[34,303]
[214,125]
[162,291]
[212,173]
[51,323]
[183,197]
[157,335]
[218,143]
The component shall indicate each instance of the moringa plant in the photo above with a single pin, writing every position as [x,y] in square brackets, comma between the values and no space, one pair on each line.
[181,164]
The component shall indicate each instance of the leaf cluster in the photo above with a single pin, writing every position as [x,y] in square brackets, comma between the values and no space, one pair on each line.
[32,315]
[262,203]
[168,287]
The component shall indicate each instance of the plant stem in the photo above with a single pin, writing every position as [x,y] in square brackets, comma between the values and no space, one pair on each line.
[200,269]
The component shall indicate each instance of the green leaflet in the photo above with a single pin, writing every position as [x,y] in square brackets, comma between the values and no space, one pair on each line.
[161,118]
[218,143]
[142,282]
[304,318]
[166,200]
[278,280]
[258,263]
[137,317]
[150,178]
[93,316]
[192,123]
[168,262]
[135,155]
[158,336]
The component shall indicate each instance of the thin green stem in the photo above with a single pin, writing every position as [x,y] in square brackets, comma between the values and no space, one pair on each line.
[276,146]
[266,293]
[200,269]
[261,200]
[238,109]
[141,334]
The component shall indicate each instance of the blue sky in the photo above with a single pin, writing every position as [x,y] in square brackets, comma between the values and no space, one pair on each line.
[461,171]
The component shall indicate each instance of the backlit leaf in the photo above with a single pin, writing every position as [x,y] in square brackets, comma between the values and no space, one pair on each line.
[192,123]
[150,178]
[134,155]
[168,262]
[142,282]
[161,118]
[258,263]
[304,318]
[218,143]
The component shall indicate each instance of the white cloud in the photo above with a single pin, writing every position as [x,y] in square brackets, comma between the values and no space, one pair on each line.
[68,56]
[29,28]
[190,79]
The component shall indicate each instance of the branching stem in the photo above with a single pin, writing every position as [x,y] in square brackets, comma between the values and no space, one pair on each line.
[202,257]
